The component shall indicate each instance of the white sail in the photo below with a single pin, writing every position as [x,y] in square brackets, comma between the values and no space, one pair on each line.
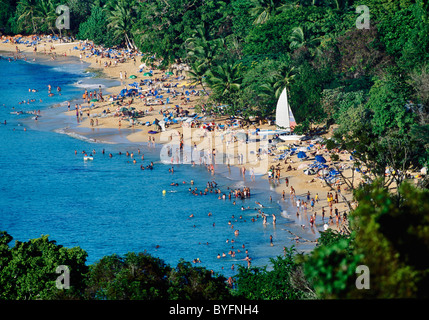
[282,111]
[285,120]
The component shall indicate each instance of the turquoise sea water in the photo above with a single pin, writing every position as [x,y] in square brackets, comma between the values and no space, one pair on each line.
[110,205]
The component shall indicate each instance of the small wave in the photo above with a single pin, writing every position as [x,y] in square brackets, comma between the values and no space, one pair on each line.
[79,136]
[81,84]
[74,135]
[284,214]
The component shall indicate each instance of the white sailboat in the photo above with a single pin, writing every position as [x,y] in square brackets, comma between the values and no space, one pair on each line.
[285,119]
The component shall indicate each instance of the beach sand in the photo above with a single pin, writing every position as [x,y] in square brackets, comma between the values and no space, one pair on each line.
[301,182]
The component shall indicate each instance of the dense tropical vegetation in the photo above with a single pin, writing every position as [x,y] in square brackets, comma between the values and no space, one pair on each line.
[373,84]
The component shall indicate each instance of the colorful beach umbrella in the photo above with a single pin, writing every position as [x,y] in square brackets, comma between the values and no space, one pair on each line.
[147,74]
[169,73]
[320,159]
[301,155]
[133,76]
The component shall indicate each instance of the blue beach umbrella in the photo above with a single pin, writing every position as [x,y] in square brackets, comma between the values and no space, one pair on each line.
[301,155]
[320,159]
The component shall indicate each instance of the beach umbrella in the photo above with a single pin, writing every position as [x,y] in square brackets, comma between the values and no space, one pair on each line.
[320,159]
[282,148]
[309,171]
[301,155]
[324,172]
[147,74]
[94,100]
[133,76]
[169,73]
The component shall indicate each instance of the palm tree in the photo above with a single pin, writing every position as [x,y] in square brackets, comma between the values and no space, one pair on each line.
[283,78]
[28,9]
[340,4]
[224,79]
[46,15]
[279,80]
[200,34]
[196,74]
[121,19]
[300,39]
[203,52]
[263,10]
[39,14]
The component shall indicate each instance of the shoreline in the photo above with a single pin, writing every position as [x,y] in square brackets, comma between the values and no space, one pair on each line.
[140,134]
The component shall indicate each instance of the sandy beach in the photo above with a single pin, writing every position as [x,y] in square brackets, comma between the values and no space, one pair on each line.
[184,98]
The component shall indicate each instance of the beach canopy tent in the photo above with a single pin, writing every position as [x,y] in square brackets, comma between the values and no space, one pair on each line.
[309,172]
[320,159]
[301,155]
[125,92]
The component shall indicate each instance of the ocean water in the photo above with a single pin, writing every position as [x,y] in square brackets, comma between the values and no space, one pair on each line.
[109,205]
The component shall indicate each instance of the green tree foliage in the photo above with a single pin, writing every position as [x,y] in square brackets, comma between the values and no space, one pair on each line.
[331,266]
[33,16]
[225,81]
[140,276]
[132,277]
[28,269]
[276,284]
[263,10]
[121,20]
[388,99]
[95,28]
[393,238]
[79,12]
[7,10]
[194,283]
[28,272]
[390,237]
